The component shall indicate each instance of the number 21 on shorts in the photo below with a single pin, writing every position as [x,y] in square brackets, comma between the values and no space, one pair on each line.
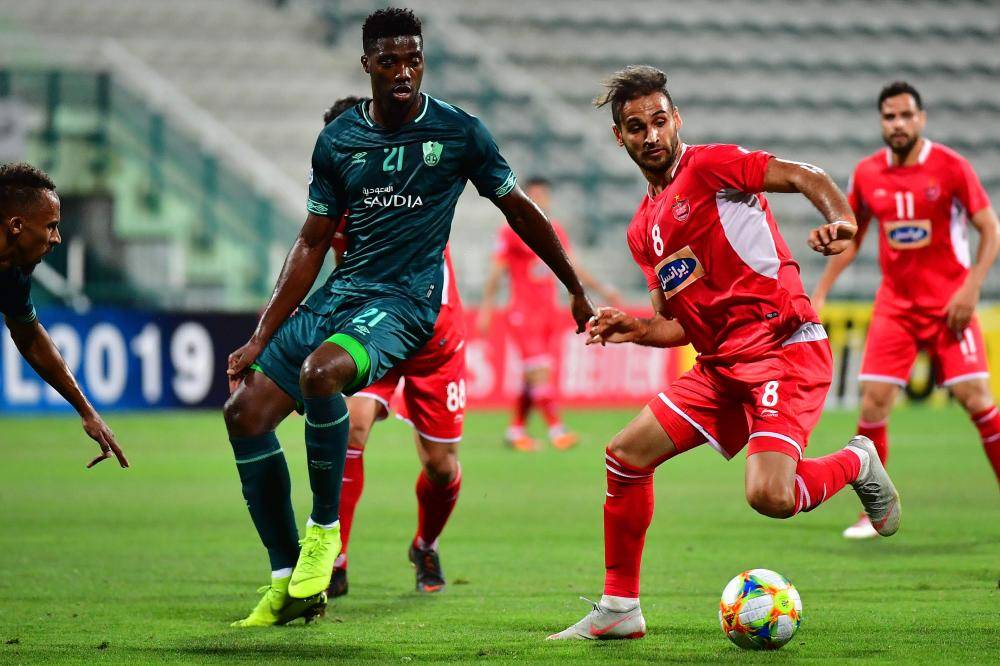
[770,396]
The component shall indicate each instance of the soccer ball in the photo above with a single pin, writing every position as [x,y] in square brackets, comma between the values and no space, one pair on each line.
[760,610]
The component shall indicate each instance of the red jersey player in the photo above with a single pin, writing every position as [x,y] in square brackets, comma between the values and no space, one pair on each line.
[532,322]
[720,276]
[922,195]
[433,402]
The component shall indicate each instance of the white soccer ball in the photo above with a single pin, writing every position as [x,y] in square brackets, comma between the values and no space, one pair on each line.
[760,610]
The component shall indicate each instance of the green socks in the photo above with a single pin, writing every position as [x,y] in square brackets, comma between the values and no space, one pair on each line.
[267,490]
[327,426]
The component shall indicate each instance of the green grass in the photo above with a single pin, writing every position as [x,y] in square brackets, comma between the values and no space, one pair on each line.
[151,564]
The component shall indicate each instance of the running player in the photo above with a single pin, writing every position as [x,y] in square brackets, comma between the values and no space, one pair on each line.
[720,276]
[922,195]
[532,321]
[433,402]
[29,213]
[397,166]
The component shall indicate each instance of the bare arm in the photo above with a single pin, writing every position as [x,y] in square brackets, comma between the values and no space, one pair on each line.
[606,292]
[614,326]
[529,222]
[963,303]
[839,263]
[813,183]
[497,269]
[37,348]
[302,265]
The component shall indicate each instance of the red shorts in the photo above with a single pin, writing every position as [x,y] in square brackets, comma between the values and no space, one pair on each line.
[535,336]
[773,403]
[895,337]
[432,399]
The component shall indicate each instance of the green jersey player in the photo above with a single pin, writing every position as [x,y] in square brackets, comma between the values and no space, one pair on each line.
[395,166]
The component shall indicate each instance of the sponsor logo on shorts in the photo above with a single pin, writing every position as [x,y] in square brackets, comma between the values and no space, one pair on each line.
[908,234]
[768,413]
[363,330]
[679,271]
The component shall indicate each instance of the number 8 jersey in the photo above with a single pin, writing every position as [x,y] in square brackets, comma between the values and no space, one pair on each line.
[710,242]
[922,212]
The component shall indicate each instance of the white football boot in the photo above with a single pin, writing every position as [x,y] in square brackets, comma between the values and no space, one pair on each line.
[605,624]
[875,489]
[861,530]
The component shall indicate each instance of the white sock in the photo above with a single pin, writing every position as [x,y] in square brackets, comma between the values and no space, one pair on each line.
[619,603]
[282,573]
[330,526]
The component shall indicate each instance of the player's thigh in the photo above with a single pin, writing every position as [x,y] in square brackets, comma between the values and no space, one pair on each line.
[434,400]
[282,358]
[439,459]
[364,412]
[257,406]
[891,348]
[537,375]
[643,442]
[769,480]
[960,358]
[975,395]
[877,400]
[379,333]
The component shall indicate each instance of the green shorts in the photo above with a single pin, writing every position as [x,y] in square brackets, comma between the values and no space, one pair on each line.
[377,332]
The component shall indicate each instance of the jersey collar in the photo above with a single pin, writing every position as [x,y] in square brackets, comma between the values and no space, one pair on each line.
[673,172]
[371,123]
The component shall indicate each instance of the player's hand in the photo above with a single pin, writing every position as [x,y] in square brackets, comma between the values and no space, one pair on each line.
[582,309]
[98,430]
[832,238]
[614,326]
[240,361]
[961,307]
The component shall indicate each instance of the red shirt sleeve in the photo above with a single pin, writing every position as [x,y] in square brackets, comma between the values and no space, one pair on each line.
[725,166]
[969,190]
[637,244]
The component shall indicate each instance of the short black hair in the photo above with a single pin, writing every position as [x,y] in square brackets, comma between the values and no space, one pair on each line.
[21,186]
[536,181]
[899,88]
[629,83]
[389,22]
[341,105]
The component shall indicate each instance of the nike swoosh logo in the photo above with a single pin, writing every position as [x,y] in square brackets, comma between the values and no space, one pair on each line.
[601,632]
[880,524]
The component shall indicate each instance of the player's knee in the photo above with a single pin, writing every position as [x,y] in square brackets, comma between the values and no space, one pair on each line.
[771,499]
[323,374]
[628,450]
[440,464]
[973,396]
[241,419]
[358,434]
[876,403]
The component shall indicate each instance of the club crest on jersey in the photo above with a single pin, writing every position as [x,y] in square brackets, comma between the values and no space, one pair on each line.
[432,152]
[679,271]
[908,234]
[933,191]
[681,208]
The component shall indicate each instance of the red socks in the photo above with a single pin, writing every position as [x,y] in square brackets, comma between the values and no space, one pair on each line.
[434,506]
[544,397]
[350,494]
[819,479]
[878,433]
[521,408]
[628,510]
[988,424]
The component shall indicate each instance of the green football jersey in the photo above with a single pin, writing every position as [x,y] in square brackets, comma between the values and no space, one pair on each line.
[398,189]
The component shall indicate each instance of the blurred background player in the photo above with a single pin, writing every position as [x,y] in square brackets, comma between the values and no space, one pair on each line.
[923,195]
[433,402]
[721,277]
[532,316]
[29,213]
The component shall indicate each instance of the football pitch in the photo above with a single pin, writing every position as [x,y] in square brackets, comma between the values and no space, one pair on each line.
[150,565]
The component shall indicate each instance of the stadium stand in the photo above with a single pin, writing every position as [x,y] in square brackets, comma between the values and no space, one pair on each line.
[738,70]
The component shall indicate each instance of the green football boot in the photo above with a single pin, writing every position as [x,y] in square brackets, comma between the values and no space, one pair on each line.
[277,608]
[312,572]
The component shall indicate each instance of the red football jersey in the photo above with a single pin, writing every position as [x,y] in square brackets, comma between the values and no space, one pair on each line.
[922,212]
[532,283]
[710,242]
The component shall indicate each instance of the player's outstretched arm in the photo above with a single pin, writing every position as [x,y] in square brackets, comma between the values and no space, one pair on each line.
[606,291]
[614,326]
[529,222]
[833,237]
[839,263]
[962,305]
[302,265]
[37,348]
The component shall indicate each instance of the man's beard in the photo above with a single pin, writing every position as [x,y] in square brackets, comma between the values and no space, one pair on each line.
[904,149]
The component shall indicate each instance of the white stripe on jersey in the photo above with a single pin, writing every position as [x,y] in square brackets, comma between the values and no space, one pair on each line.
[745,225]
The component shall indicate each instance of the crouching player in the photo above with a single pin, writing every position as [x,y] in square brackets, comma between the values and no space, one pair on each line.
[722,278]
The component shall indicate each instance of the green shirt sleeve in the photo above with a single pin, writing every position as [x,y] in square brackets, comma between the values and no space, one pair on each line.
[486,167]
[326,196]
